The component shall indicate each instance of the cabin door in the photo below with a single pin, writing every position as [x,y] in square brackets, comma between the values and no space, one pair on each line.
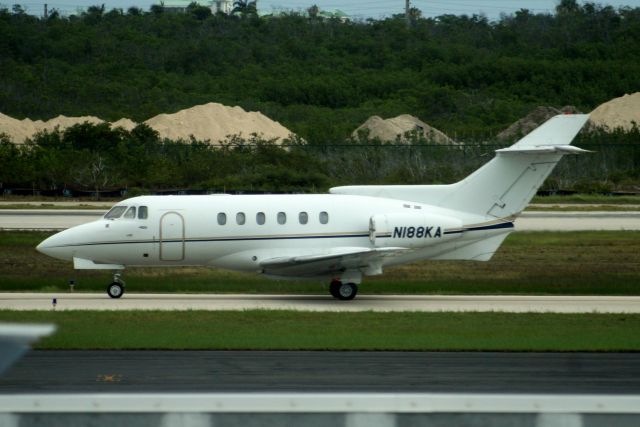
[171,237]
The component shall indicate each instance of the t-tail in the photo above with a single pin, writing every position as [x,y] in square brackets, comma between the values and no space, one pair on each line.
[501,188]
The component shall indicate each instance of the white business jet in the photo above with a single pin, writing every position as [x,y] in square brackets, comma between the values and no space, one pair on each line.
[340,237]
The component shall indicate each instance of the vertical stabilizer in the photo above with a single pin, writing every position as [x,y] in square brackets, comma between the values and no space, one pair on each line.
[502,187]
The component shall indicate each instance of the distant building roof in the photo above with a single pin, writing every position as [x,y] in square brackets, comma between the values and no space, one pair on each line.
[336,14]
[221,5]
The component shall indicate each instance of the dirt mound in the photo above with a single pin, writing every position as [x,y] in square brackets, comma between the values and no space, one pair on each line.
[395,129]
[20,130]
[532,120]
[126,124]
[17,130]
[620,112]
[64,122]
[214,122]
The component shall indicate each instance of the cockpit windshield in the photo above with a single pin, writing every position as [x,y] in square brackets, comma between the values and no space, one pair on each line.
[115,212]
[131,213]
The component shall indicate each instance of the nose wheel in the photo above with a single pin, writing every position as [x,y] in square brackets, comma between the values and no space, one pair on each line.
[343,291]
[116,288]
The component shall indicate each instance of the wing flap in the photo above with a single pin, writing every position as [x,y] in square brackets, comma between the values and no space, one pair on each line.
[87,264]
[329,263]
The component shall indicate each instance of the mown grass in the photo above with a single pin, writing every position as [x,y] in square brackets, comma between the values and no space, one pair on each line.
[569,263]
[582,208]
[588,198]
[291,330]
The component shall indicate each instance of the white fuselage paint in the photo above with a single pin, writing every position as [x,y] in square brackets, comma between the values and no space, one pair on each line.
[184,230]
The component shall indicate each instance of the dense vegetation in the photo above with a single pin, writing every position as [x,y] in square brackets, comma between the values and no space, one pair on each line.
[94,158]
[321,78]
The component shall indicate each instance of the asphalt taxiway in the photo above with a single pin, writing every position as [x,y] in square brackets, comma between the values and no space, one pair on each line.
[244,371]
[381,303]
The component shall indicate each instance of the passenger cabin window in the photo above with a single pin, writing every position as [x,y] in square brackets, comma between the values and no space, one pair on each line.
[324,217]
[131,213]
[303,217]
[240,218]
[143,212]
[282,218]
[222,218]
[115,212]
[260,218]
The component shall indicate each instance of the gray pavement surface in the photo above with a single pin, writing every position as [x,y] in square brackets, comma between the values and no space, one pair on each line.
[237,371]
[59,219]
[382,303]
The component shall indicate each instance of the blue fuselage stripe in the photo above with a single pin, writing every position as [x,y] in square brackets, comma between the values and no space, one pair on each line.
[259,238]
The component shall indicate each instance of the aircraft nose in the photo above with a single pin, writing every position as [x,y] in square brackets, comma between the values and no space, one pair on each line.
[53,246]
[43,246]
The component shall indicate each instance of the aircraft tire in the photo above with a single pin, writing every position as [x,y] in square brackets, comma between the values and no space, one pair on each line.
[347,291]
[115,290]
[334,288]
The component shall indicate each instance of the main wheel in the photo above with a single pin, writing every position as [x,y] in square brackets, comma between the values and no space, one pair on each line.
[347,291]
[115,290]
[334,288]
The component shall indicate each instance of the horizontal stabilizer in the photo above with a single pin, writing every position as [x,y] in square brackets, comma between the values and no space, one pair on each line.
[543,149]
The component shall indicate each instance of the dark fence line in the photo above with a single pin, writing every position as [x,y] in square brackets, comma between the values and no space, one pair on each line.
[610,167]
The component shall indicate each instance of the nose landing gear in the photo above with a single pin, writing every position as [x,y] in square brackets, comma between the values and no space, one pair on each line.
[343,291]
[116,288]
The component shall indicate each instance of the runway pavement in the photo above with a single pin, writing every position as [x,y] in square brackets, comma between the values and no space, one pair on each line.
[382,303]
[577,221]
[59,219]
[227,371]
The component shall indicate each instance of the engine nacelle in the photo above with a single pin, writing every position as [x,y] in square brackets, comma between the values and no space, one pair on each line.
[412,230]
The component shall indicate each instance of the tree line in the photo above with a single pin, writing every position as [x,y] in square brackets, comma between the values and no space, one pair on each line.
[94,159]
[319,77]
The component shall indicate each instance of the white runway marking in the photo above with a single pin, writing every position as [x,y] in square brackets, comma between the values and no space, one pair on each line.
[56,219]
[380,303]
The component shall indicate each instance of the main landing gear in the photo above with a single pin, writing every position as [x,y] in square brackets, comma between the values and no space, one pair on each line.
[116,288]
[343,291]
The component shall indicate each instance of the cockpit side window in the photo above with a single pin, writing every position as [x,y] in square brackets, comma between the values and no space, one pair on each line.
[115,212]
[131,213]
[143,212]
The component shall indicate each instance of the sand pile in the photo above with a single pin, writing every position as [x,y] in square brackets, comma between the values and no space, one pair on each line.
[126,124]
[213,122]
[64,122]
[620,112]
[532,120]
[396,128]
[19,130]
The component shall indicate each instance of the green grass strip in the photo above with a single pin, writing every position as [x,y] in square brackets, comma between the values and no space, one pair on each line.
[588,198]
[293,330]
[535,263]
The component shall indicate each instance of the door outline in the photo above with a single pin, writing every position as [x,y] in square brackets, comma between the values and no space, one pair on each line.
[182,238]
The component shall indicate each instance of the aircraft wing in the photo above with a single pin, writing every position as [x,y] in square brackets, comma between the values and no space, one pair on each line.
[337,261]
